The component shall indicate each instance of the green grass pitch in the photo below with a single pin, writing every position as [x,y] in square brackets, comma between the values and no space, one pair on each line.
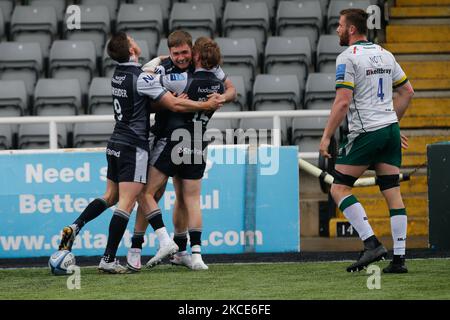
[427,279]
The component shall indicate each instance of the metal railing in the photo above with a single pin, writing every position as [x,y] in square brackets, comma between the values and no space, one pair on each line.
[275,115]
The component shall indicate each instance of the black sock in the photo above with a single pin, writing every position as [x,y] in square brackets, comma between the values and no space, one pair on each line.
[92,211]
[371,242]
[181,240]
[137,240]
[155,219]
[195,235]
[117,228]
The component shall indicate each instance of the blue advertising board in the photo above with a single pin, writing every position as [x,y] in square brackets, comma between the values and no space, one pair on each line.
[44,191]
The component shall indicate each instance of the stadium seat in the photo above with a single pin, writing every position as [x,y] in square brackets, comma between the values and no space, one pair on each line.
[6,137]
[247,20]
[240,104]
[218,6]
[13,98]
[163,49]
[199,19]
[60,6]
[92,134]
[73,60]
[276,92]
[21,61]
[142,22]
[165,5]
[7,6]
[100,98]
[284,55]
[320,91]
[57,97]
[34,24]
[240,57]
[328,49]
[335,8]
[2,26]
[112,6]
[271,5]
[95,26]
[308,127]
[109,65]
[36,136]
[296,19]
[262,127]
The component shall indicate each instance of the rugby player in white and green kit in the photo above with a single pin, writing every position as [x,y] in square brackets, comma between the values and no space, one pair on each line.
[366,78]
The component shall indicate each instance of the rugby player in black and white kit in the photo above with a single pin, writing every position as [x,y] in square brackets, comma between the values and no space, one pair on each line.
[180,48]
[127,149]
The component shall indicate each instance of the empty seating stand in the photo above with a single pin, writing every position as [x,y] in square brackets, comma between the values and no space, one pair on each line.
[247,20]
[34,24]
[199,19]
[296,19]
[95,26]
[320,91]
[73,59]
[142,22]
[21,61]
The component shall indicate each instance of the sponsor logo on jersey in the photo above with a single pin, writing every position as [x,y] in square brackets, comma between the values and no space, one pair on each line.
[340,72]
[177,77]
[370,72]
[118,80]
[113,153]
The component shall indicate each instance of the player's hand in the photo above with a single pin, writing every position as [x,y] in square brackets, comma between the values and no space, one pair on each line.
[404,140]
[183,96]
[323,147]
[216,101]
[163,57]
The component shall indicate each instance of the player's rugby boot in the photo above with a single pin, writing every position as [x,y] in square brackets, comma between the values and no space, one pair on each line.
[181,259]
[68,237]
[396,266]
[111,267]
[164,251]
[367,257]
[197,262]
[134,259]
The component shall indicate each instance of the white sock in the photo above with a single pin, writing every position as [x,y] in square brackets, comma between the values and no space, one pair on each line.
[355,213]
[163,236]
[398,229]
[196,249]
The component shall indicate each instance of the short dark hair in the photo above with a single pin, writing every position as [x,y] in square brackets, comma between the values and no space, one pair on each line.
[119,47]
[178,38]
[356,17]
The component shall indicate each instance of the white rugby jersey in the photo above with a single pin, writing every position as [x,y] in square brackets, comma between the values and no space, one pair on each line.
[372,73]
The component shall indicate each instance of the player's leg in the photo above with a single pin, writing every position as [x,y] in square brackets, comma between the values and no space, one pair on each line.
[128,193]
[92,211]
[341,190]
[388,181]
[141,223]
[180,223]
[157,179]
[191,197]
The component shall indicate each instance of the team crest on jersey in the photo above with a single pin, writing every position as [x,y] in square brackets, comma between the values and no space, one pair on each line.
[340,72]
[177,77]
